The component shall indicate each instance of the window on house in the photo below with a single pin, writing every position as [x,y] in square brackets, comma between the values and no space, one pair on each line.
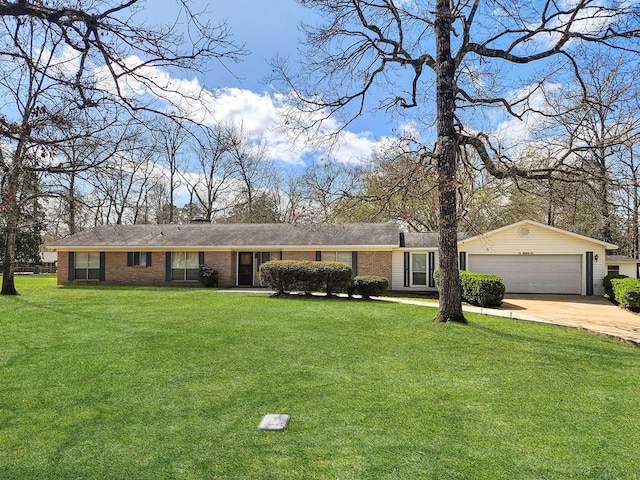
[613,269]
[139,259]
[344,257]
[419,268]
[267,257]
[184,266]
[87,265]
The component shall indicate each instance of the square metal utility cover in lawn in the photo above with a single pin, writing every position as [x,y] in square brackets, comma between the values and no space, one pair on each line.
[274,421]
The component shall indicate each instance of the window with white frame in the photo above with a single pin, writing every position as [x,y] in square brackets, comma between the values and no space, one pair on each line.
[184,266]
[419,268]
[87,265]
[344,257]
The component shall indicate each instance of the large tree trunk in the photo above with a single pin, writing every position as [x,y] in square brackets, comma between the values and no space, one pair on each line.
[636,205]
[172,191]
[8,284]
[603,194]
[11,209]
[72,203]
[446,152]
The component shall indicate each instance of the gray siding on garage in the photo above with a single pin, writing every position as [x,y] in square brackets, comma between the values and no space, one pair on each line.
[533,273]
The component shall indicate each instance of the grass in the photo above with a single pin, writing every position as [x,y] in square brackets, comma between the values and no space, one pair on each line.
[162,383]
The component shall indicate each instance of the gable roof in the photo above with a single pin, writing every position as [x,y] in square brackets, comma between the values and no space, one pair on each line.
[233,235]
[607,245]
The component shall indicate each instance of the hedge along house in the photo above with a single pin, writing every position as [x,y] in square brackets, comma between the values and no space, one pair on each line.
[531,257]
[171,254]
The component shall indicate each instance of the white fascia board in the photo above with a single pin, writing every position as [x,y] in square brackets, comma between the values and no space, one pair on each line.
[226,248]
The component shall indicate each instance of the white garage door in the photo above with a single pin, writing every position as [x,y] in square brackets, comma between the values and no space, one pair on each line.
[532,273]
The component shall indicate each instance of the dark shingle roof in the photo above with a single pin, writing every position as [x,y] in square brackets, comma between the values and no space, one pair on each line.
[621,259]
[426,239]
[231,235]
[420,240]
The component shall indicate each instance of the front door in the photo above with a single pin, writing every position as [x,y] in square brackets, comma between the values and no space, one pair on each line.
[245,269]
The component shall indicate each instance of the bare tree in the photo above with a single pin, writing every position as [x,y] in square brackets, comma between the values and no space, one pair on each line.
[67,189]
[326,187]
[597,127]
[628,197]
[172,139]
[123,182]
[458,50]
[253,174]
[209,184]
[61,65]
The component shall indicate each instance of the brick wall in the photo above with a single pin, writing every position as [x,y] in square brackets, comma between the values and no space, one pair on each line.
[375,263]
[63,268]
[225,263]
[117,272]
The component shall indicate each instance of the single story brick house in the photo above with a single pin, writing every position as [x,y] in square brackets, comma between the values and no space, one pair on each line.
[530,256]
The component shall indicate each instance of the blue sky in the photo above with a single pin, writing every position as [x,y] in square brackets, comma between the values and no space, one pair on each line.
[267,28]
[271,27]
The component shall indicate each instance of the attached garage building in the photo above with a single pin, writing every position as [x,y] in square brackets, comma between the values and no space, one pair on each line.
[535,258]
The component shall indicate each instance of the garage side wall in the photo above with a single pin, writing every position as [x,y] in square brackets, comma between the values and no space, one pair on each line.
[532,241]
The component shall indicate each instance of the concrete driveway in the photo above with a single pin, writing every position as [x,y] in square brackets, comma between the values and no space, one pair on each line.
[595,314]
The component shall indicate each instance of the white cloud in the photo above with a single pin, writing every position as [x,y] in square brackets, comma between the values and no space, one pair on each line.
[66,63]
[515,132]
[263,115]
[591,18]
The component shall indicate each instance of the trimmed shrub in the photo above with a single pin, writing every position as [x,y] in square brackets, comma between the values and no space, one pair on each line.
[307,278]
[626,292]
[332,276]
[208,275]
[370,285]
[281,275]
[288,275]
[608,288]
[481,289]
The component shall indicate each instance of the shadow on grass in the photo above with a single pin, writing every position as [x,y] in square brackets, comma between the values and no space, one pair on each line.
[553,342]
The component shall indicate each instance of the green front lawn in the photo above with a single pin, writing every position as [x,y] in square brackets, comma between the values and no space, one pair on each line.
[163,383]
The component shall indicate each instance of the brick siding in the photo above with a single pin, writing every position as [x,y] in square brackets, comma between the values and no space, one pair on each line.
[118,273]
[225,264]
[63,268]
[375,263]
